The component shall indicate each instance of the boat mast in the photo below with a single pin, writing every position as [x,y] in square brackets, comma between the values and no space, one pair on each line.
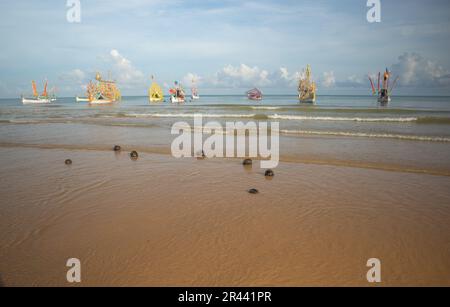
[372,85]
[33,85]
[393,85]
[44,93]
[386,80]
[379,77]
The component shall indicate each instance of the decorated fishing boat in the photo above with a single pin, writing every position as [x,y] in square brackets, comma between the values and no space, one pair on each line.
[194,91]
[37,98]
[307,87]
[103,91]
[155,93]
[177,94]
[384,88]
[254,94]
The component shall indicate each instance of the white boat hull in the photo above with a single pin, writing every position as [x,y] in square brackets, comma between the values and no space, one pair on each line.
[156,99]
[101,101]
[80,99]
[37,100]
[194,97]
[176,99]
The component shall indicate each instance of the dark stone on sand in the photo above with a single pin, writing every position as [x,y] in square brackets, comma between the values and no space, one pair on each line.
[201,155]
[134,154]
[253,191]
[117,148]
[68,162]
[269,173]
[247,162]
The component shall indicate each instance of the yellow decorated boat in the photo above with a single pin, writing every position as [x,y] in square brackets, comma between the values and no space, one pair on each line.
[155,93]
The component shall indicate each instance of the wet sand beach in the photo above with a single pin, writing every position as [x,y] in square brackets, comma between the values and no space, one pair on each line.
[159,221]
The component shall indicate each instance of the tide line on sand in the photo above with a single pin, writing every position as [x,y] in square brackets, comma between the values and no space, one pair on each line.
[283,158]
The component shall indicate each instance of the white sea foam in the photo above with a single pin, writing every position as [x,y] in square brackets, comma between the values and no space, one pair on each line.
[352,119]
[265,108]
[368,135]
[189,115]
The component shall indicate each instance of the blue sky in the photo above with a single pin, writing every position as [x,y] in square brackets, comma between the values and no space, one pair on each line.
[226,45]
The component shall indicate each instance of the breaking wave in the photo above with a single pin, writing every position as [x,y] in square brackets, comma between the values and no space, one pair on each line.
[350,119]
[265,108]
[368,135]
[262,116]
[188,115]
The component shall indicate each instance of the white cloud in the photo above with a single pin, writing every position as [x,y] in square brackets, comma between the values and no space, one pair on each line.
[328,80]
[190,77]
[415,70]
[73,81]
[77,76]
[124,71]
[355,79]
[284,78]
[241,76]
[247,76]
[412,69]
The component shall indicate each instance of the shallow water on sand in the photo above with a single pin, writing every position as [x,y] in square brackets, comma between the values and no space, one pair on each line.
[162,221]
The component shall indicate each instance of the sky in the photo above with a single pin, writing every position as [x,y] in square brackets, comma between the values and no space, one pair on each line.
[226,46]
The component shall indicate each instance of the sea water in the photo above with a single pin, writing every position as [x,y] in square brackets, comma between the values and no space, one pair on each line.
[410,131]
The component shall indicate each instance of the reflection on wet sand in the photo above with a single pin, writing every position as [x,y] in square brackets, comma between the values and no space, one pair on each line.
[162,221]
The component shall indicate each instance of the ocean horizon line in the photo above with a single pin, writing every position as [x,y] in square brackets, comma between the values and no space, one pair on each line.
[266,95]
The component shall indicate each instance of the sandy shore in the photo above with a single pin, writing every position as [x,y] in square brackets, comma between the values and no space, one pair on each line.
[160,221]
